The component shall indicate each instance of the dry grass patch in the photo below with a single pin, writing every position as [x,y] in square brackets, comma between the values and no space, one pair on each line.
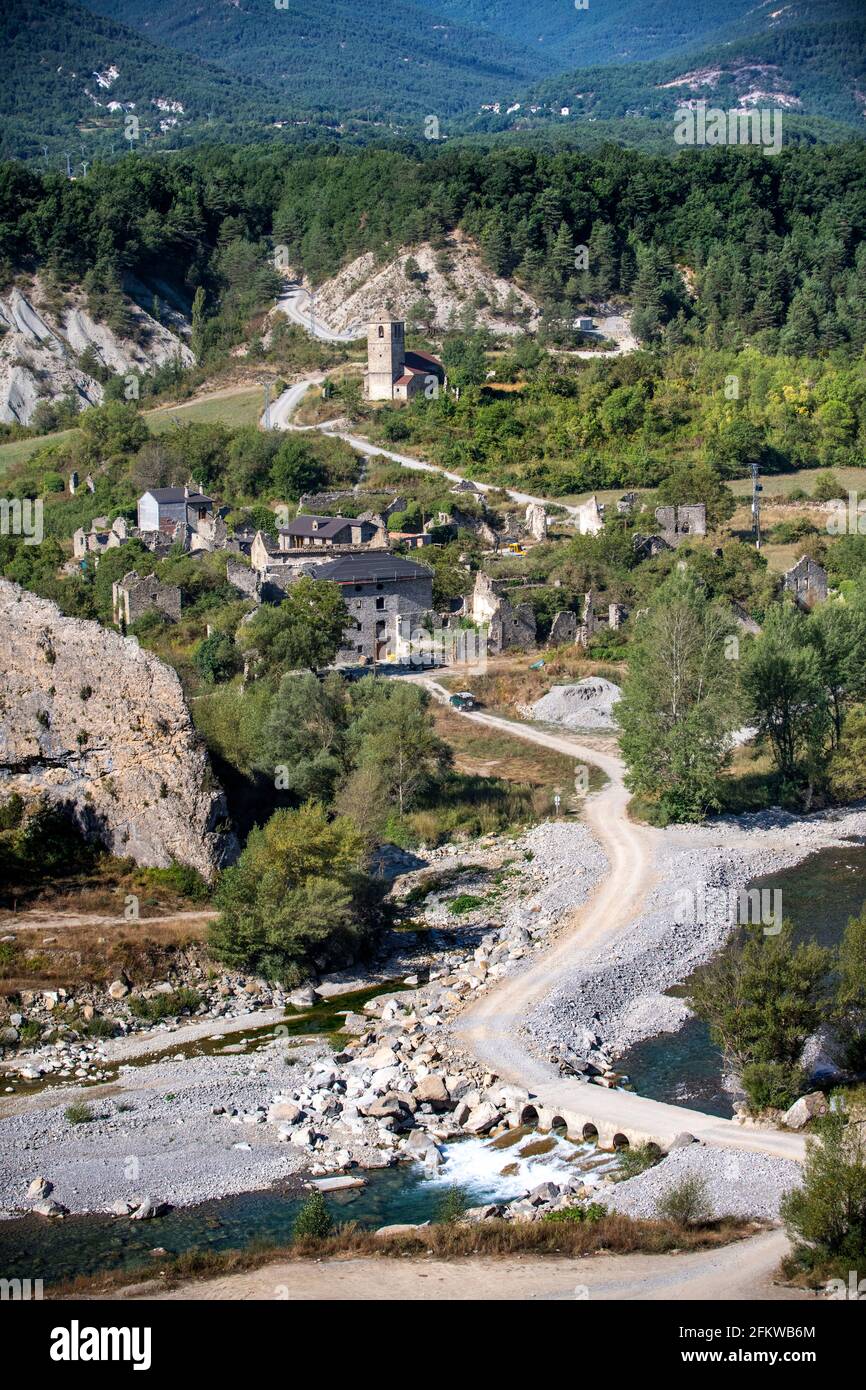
[613,1235]
[509,683]
[487,753]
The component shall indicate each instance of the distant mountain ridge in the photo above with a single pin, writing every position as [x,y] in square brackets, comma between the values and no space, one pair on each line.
[243,70]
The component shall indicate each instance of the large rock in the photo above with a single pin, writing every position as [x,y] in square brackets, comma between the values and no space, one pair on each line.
[91,721]
[431,1090]
[287,1111]
[50,1208]
[805,1109]
[481,1119]
[41,348]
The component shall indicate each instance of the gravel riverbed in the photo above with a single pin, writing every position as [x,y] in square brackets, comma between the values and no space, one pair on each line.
[619,993]
[736,1183]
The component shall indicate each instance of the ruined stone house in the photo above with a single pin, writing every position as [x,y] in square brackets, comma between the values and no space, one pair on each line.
[536,521]
[100,537]
[589,517]
[509,626]
[134,595]
[676,523]
[807,582]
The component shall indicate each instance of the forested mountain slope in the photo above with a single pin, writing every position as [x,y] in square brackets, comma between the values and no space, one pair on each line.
[342,56]
[77,75]
[774,247]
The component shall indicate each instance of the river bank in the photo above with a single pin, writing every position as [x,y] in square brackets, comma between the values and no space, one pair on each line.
[196,1123]
[616,995]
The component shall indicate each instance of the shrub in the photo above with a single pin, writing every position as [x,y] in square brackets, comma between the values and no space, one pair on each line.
[79,1113]
[637,1159]
[217,658]
[313,1221]
[577,1216]
[687,1203]
[164,1005]
[12,812]
[453,1205]
[827,487]
[772,1085]
[99,1028]
[826,1216]
[464,902]
[297,894]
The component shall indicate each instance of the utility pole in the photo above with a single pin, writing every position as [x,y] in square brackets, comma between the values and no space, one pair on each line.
[757,489]
[267,414]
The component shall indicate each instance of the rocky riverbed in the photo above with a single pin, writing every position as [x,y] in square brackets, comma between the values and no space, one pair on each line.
[184,1128]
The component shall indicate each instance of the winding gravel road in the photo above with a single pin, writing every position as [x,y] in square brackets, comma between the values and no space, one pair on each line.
[491,1028]
[284,407]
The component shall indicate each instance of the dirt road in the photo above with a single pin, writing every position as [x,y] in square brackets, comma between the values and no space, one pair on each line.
[491,1029]
[744,1270]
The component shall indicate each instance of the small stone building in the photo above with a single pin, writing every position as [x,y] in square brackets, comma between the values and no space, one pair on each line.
[326,532]
[378,589]
[807,581]
[161,508]
[510,626]
[133,596]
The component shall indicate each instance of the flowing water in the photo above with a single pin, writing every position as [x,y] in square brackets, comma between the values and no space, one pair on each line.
[484,1170]
[685,1068]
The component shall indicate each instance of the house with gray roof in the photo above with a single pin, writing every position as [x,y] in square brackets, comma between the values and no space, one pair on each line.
[379,591]
[162,508]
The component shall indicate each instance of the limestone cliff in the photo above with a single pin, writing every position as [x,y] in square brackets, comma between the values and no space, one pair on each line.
[92,721]
[41,343]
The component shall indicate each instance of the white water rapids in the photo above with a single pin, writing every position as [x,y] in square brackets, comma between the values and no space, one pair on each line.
[488,1171]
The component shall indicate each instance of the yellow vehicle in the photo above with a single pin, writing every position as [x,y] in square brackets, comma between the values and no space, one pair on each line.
[515,548]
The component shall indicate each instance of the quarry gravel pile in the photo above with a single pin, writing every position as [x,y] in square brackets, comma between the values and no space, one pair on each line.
[738,1183]
[589,704]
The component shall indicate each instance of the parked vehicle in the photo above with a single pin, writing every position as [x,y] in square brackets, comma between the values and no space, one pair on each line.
[462,699]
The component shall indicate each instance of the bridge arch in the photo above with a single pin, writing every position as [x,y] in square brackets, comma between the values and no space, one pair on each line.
[529,1115]
[620,1141]
[590,1133]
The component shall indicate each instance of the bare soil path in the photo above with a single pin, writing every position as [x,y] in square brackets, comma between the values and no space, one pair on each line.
[743,1270]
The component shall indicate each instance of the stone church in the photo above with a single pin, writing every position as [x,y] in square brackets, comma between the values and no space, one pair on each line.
[393,374]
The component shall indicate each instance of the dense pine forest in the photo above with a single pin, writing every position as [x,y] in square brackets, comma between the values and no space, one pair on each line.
[721,247]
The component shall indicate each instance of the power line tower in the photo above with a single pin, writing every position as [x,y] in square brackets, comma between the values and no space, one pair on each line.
[757,489]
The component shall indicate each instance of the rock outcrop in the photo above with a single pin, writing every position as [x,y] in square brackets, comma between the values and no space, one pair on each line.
[454,280]
[41,348]
[94,723]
